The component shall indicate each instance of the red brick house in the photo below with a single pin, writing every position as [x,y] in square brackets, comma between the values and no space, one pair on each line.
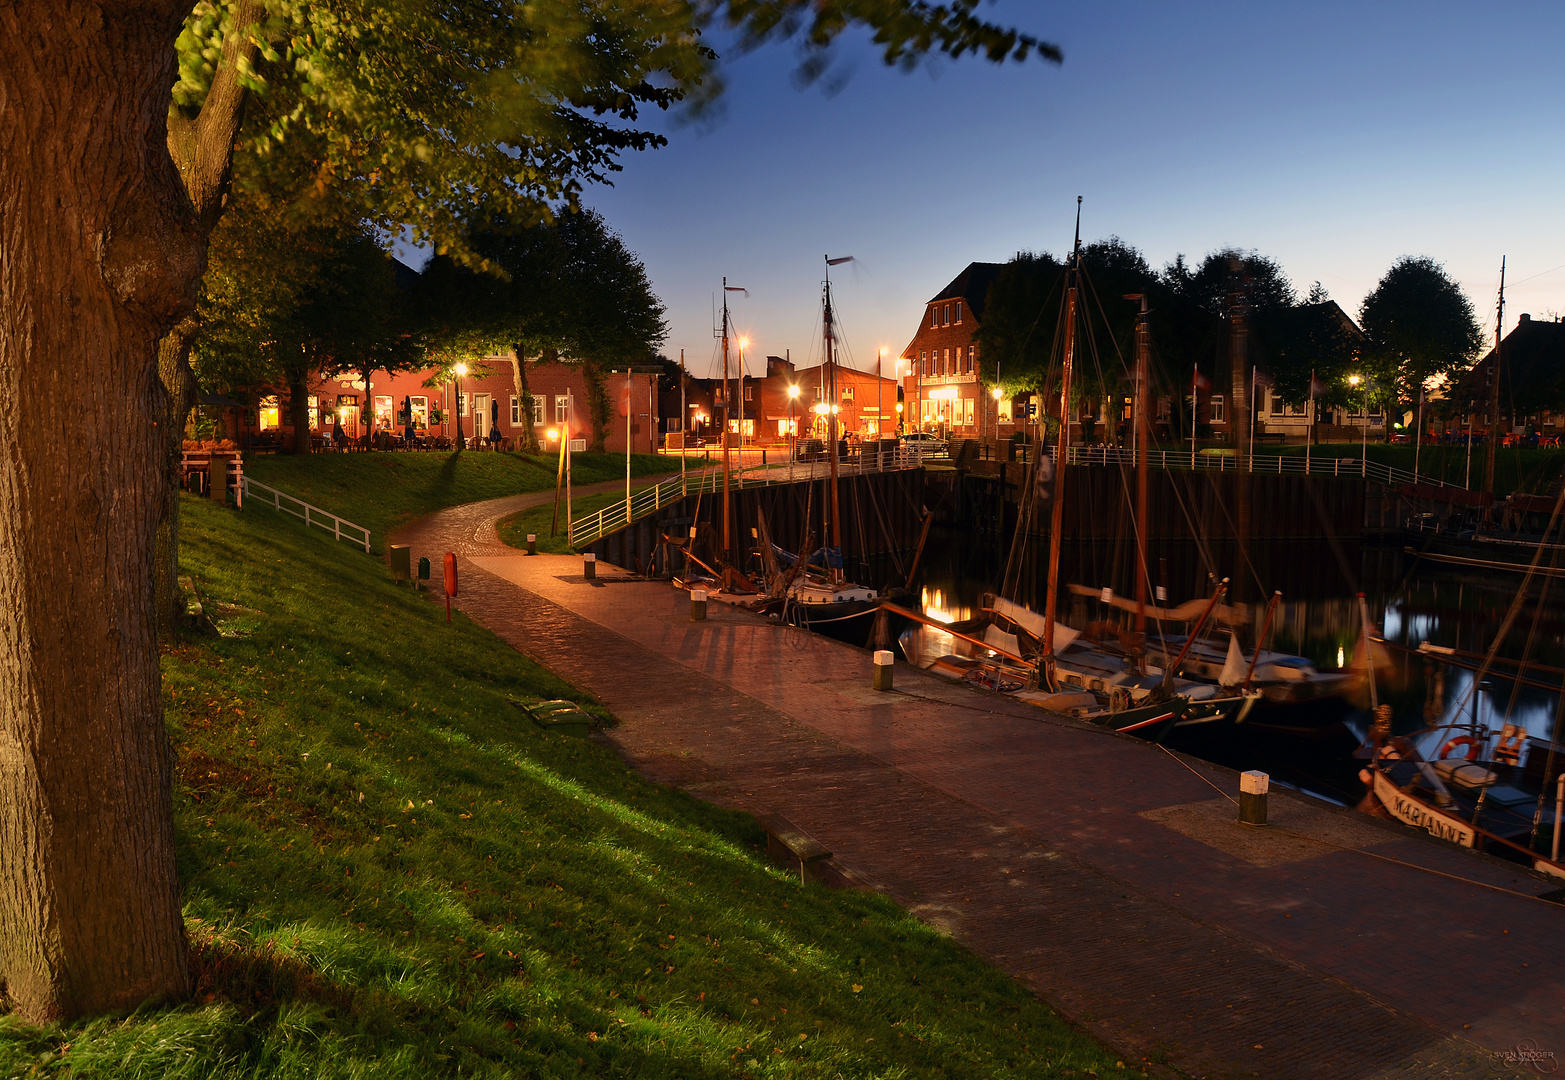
[488,401]
[766,414]
[939,368]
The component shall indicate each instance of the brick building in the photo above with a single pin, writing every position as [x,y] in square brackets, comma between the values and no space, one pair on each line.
[767,414]
[489,402]
[940,366]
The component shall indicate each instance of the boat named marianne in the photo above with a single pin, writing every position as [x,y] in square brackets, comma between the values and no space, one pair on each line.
[1412,812]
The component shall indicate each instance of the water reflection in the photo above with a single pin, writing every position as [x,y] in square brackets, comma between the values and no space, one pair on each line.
[1319,616]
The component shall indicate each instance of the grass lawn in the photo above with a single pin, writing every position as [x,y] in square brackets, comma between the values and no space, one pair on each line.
[513,530]
[384,490]
[1515,469]
[389,872]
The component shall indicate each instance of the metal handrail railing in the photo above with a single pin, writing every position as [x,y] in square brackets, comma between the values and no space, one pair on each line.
[1258,463]
[589,527]
[311,515]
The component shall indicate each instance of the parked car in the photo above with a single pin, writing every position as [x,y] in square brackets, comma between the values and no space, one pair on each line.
[927,441]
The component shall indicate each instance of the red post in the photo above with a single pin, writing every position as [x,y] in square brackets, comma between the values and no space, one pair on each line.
[450,582]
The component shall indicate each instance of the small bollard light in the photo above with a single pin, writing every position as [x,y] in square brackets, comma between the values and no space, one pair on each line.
[1252,797]
[884,661]
[532,543]
[589,566]
[697,605]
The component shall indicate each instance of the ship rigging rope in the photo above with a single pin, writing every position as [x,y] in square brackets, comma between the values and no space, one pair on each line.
[1360,851]
[1075,725]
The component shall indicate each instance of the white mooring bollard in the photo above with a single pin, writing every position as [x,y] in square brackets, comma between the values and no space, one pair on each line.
[589,566]
[532,543]
[697,605]
[884,661]
[1252,797]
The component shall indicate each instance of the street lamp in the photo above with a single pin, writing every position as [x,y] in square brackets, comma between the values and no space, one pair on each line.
[793,430]
[880,377]
[744,343]
[1354,381]
[460,369]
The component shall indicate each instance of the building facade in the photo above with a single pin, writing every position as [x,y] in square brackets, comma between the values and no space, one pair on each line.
[484,401]
[940,367]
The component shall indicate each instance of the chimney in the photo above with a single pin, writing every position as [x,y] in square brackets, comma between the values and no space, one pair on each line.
[1525,317]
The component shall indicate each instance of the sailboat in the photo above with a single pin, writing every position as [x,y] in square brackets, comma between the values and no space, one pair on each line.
[816,593]
[1069,672]
[1462,782]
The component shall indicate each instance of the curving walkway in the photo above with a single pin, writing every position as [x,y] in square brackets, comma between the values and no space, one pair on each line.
[1107,873]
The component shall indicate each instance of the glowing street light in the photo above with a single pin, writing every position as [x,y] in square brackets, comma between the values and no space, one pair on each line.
[460,370]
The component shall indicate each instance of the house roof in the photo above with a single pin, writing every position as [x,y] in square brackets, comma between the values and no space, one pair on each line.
[972,285]
[1532,369]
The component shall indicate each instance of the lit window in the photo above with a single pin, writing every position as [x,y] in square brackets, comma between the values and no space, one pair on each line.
[847,395]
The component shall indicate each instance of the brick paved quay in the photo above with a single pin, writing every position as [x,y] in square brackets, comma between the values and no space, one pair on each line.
[1103,871]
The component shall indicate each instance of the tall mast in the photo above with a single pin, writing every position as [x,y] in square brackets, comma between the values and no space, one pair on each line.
[1494,396]
[831,424]
[1143,456]
[728,545]
[1057,510]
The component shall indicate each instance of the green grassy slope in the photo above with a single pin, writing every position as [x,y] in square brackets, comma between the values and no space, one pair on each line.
[388,872]
[1515,468]
[384,490]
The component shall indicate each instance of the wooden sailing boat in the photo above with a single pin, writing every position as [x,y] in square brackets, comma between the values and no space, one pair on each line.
[1475,790]
[826,598]
[1070,673]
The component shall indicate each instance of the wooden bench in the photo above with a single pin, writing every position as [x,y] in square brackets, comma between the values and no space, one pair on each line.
[1271,436]
[790,846]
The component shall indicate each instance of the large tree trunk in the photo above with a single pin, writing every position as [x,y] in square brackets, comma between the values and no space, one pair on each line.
[597,406]
[299,412]
[529,441]
[202,150]
[369,410]
[99,256]
[179,384]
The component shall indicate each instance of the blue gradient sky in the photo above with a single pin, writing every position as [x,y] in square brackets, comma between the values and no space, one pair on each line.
[1333,137]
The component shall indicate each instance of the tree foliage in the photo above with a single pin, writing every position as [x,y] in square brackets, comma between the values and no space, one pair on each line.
[1420,326]
[285,299]
[572,290]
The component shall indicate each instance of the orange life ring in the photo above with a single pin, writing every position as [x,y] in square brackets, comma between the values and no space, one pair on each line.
[1461,740]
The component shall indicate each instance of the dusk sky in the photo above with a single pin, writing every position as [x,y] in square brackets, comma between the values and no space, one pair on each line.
[1333,137]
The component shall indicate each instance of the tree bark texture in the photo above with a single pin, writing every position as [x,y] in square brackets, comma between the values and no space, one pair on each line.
[202,150]
[597,405]
[99,256]
[299,412]
[179,385]
[369,410]
[529,443]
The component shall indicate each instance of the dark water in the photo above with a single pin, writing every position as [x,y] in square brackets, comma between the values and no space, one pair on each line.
[1410,601]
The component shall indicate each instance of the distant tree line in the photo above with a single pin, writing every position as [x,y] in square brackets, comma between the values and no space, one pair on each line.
[1414,327]
[289,299]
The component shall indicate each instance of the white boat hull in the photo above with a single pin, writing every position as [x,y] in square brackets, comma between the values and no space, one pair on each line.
[1411,811]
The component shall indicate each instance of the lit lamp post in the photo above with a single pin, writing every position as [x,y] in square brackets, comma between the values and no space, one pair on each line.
[460,369]
[998,395]
[880,378]
[793,430]
[744,343]
[1355,381]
